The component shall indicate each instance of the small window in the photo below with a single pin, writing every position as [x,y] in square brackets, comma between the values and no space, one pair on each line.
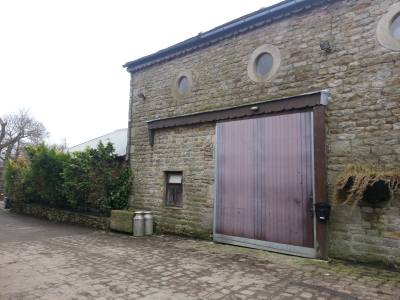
[395,27]
[264,64]
[183,85]
[173,195]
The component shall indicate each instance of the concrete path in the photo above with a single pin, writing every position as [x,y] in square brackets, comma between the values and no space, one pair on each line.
[42,260]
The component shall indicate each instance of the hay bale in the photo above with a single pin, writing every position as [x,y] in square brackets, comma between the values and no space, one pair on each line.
[370,184]
[122,221]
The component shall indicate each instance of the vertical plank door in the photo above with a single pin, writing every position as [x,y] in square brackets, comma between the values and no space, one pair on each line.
[264,182]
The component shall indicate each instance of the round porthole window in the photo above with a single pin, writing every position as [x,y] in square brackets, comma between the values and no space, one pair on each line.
[263,63]
[388,30]
[183,85]
[395,28]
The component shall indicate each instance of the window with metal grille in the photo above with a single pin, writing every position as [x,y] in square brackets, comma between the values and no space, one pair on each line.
[173,195]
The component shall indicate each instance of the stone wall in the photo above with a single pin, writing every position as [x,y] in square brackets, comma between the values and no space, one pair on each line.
[186,149]
[363,119]
[61,216]
[369,234]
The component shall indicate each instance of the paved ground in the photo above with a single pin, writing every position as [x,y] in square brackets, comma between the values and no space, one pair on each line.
[41,260]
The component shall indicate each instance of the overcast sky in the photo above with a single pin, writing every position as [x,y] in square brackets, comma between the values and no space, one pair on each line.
[63,59]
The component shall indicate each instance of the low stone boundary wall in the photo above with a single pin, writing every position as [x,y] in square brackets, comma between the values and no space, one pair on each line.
[61,216]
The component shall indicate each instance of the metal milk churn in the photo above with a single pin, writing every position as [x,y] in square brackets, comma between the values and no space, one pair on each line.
[138,224]
[148,223]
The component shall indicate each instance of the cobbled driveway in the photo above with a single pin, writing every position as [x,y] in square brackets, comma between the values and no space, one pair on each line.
[42,260]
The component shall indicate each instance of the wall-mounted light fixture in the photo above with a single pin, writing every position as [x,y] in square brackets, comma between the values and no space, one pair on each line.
[254,108]
[325,46]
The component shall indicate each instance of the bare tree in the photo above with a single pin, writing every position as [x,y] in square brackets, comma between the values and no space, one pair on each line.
[17,131]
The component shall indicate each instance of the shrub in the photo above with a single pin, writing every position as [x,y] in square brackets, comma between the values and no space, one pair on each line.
[76,180]
[121,187]
[14,176]
[43,179]
[96,180]
[93,180]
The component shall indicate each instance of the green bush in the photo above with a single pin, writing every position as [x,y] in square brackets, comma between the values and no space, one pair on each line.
[94,180]
[121,187]
[43,179]
[14,175]
[76,183]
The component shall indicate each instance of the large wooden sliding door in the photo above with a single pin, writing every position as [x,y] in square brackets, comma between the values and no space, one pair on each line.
[264,183]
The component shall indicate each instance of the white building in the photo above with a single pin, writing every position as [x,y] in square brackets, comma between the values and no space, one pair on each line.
[118,138]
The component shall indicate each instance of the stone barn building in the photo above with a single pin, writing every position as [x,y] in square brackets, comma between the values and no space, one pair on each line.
[236,133]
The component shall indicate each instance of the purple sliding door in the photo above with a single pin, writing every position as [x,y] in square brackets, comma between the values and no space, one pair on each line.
[264,179]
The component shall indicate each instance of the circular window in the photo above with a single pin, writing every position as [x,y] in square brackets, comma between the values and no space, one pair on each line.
[395,28]
[388,30]
[183,85]
[264,62]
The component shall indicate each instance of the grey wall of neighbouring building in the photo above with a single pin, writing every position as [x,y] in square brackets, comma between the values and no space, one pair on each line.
[363,118]
[118,138]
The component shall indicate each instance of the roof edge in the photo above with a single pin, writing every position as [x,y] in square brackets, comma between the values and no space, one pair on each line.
[237,26]
[99,137]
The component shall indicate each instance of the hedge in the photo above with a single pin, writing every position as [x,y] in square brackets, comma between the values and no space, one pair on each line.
[94,180]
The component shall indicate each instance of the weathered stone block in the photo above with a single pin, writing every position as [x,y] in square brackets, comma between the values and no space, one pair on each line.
[122,220]
[392,234]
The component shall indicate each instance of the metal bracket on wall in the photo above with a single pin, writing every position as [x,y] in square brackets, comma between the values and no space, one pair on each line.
[325,97]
